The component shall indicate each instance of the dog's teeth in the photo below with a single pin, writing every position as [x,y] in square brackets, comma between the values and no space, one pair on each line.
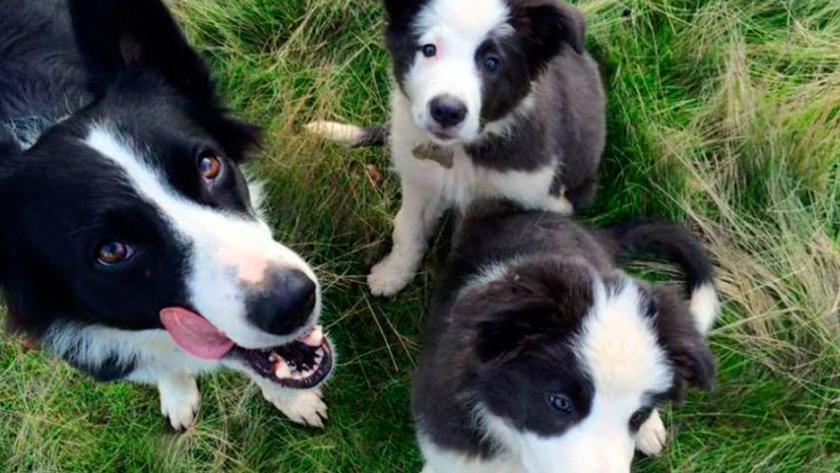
[282,369]
[315,337]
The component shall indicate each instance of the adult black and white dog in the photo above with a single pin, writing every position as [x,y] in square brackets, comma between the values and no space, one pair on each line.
[493,98]
[541,356]
[130,244]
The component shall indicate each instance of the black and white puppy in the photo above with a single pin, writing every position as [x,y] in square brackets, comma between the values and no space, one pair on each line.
[130,243]
[492,98]
[542,356]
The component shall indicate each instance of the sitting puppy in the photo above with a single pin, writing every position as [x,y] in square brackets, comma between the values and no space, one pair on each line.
[493,98]
[129,241]
[541,356]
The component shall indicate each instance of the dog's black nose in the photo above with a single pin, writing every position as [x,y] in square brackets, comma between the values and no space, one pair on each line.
[448,111]
[283,303]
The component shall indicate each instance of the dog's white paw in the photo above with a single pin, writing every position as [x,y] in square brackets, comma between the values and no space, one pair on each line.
[652,436]
[560,205]
[304,406]
[389,277]
[179,401]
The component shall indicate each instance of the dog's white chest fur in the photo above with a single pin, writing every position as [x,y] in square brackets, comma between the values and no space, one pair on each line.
[464,182]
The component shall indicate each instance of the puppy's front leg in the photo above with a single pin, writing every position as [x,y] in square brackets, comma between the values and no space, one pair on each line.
[304,406]
[418,217]
[652,435]
[179,399]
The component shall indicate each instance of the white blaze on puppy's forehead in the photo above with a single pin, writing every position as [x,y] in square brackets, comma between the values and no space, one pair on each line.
[464,18]
[227,251]
[619,345]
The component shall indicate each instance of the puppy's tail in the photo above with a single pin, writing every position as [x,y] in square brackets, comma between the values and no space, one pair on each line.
[351,135]
[676,244]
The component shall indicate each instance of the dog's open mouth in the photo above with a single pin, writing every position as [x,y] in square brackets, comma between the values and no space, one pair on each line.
[300,364]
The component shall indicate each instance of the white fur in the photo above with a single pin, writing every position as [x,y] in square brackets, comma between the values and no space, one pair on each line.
[652,436]
[302,406]
[439,460]
[219,242]
[456,28]
[428,189]
[346,134]
[705,306]
[159,361]
[179,400]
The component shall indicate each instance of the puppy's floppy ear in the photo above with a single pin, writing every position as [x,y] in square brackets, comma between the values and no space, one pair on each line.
[523,308]
[545,26]
[114,35]
[401,10]
[686,347]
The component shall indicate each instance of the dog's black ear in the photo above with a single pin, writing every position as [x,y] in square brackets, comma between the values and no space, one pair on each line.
[32,297]
[114,35]
[401,10]
[117,36]
[518,312]
[545,26]
[686,347]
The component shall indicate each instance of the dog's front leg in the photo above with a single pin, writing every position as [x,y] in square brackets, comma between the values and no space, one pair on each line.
[304,406]
[179,399]
[417,219]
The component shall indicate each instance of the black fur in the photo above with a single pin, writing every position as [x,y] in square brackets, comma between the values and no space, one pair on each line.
[132,69]
[506,344]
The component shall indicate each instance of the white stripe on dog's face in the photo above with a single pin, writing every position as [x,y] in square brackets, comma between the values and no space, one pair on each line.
[618,350]
[228,253]
[456,28]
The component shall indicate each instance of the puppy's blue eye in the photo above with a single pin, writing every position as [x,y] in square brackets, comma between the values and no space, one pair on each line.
[429,50]
[491,64]
[561,402]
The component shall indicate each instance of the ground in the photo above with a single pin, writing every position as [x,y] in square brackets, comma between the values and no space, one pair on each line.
[724,115]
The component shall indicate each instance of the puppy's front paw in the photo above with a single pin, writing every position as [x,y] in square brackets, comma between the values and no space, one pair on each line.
[652,436]
[304,406]
[179,401]
[389,277]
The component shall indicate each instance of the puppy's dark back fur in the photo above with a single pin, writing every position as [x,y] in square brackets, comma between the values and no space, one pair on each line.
[495,233]
[568,122]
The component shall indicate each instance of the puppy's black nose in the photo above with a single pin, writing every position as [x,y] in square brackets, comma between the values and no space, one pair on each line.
[283,303]
[448,111]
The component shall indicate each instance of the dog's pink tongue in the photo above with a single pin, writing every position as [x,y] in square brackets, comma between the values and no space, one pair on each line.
[195,334]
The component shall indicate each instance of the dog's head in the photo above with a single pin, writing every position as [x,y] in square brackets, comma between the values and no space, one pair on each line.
[133,213]
[570,365]
[466,64]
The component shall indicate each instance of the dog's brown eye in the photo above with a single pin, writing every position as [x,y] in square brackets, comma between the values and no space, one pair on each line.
[209,165]
[113,252]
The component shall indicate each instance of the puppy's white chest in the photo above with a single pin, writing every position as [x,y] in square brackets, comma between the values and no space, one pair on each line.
[456,179]
[459,181]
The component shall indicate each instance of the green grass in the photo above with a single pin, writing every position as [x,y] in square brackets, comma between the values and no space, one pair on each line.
[723,114]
